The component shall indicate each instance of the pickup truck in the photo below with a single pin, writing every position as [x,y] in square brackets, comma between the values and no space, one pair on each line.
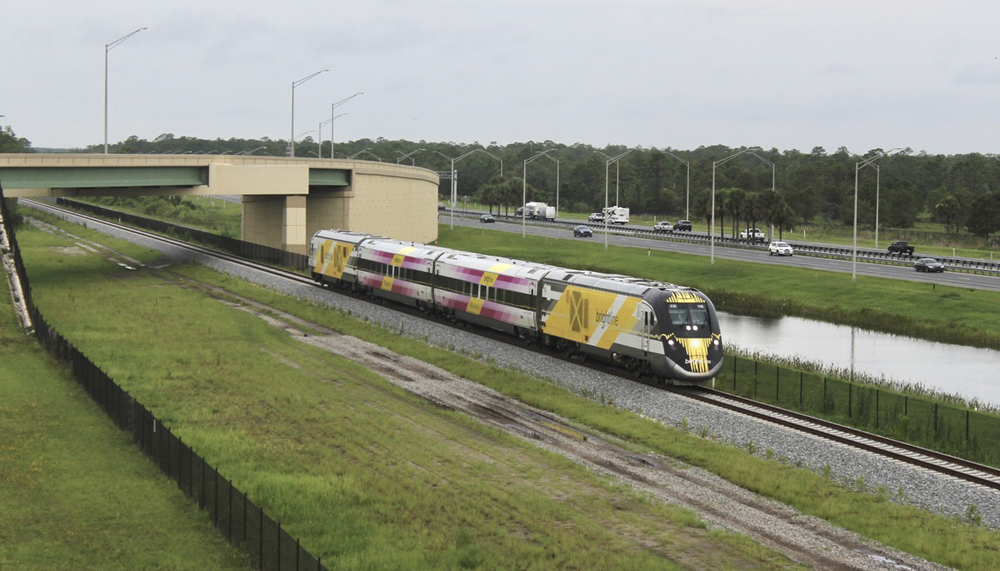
[901,248]
[753,235]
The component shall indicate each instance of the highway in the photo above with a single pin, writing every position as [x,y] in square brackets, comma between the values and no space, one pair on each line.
[755,254]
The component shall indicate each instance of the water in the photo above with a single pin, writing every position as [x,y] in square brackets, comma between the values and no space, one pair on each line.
[951,369]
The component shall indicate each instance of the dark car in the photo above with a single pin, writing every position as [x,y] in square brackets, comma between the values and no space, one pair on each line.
[928,265]
[663,227]
[487,218]
[583,231]
[683,225]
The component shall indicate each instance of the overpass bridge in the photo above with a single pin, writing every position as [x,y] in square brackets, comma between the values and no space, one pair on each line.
[285,200]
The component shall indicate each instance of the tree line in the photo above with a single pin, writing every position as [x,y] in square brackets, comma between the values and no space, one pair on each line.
[769,187]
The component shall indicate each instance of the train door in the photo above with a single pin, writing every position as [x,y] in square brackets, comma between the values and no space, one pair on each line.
[646,327]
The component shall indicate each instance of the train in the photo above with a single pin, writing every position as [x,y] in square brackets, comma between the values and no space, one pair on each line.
[664,331]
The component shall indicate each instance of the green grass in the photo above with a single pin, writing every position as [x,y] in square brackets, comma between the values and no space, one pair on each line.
[76,492]
[371,477]
[365,474]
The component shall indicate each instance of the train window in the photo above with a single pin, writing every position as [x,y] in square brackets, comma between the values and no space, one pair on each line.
[699,315]
[688,314]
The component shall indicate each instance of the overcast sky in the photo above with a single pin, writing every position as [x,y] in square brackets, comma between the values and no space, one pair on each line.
[787,74]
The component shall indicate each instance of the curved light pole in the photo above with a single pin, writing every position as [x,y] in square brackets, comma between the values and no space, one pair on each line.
[767,162]
[524,188]
[607,169]
[687,194]
[333,117]
[711,230]
[250,152]
[454,178]
[408,156]
[878,176]
[857,167]
[291,143]
[365,150]
[319,133]
[557,181]
[108,48]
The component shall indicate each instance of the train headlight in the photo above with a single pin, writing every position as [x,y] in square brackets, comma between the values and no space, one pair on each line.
[715,342]
[670,342]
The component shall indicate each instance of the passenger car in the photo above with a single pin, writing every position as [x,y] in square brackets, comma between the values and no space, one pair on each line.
[682,225]
[582,231]
[928,265]
[596,217]
[440,206]
[780,249]
[663,227]
[487,218]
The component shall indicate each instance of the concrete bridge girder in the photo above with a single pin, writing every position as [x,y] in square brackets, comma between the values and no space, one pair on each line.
[285,200]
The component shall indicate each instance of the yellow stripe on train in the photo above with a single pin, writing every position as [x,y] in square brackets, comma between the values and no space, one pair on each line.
[592,317]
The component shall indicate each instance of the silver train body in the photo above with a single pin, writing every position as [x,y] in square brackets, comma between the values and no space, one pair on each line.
[651,328]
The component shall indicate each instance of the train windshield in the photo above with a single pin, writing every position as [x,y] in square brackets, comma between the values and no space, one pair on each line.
[688,314]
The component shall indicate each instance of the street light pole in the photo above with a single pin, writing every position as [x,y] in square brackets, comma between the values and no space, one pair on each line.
[607,168]
[857,167]
[524,188]
[711,230]
[334,117]
[108,48]
[454,182]
[687,194]
[408,155]
[291,143]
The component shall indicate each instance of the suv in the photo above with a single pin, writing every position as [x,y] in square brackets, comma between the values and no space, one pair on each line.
[596,217]
[663,227]
[752,235]
[683,225]
[779,248]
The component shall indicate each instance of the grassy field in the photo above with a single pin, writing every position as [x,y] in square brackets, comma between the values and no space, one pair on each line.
[76,493]
[370,477]
[366,475]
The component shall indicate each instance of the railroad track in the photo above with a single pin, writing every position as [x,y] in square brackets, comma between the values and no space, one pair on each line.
[939,462]
[930,460]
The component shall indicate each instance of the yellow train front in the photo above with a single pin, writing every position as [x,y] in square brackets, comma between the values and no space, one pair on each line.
[649,327]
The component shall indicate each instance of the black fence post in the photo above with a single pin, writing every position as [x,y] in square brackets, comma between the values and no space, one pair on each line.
[850,397]
[966,425]
[777,384]
[876,408]
[800,389]
[824,394]
[935,420]
[755,363]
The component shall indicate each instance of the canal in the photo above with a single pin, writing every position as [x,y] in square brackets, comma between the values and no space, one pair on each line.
[951,369]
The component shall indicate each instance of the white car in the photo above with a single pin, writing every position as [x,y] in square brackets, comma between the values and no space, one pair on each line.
[779,248]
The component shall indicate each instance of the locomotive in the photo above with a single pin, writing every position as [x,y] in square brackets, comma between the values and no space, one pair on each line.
[651,328]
